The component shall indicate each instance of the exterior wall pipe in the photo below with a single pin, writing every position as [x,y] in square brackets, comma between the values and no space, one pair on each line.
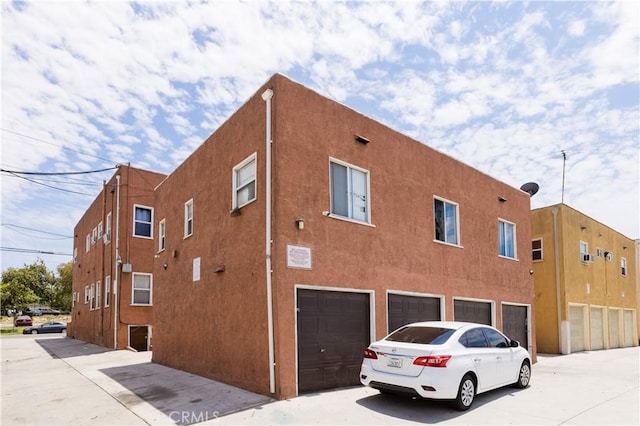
[116,267]
[556,245]
[266,96]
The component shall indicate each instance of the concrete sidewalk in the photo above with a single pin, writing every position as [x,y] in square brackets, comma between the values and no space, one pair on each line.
[59,381]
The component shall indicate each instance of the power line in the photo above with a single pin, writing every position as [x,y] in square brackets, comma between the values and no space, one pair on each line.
[24,250]
[14,172]
[11,225]
[49,186]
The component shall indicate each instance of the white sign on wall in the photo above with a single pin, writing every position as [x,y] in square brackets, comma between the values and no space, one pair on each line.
[196,269]
[298,257]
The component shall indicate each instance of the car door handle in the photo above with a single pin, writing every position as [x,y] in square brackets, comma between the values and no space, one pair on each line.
[477,360]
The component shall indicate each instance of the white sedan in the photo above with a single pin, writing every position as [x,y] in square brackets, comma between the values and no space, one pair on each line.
[445,360]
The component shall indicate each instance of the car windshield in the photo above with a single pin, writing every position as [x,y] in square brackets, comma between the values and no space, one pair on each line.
[421,334]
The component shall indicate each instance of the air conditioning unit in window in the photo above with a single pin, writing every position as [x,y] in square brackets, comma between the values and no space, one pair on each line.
[106,237]
[588,258]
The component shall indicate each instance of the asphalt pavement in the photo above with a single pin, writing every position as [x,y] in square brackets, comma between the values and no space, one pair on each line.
[54,380]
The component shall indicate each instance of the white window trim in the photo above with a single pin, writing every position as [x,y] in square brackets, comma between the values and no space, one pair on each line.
[87,243]
[87,296]
[140,206]
[107,291]
[107,228]
[162,235]
[458,237]
[624,267]
[150,289]
[92,294]
[346,218]
[515,241]
[187,219]
[234,180]
[541,249]
[98,294]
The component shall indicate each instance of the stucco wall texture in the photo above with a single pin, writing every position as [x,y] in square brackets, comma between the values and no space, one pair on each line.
[216,326]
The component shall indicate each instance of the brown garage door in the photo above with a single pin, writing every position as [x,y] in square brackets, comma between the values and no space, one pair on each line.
[514,324]
[466,310]
[333,332]
[403,309]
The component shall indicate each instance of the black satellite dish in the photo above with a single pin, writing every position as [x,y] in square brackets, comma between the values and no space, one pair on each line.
[531,188]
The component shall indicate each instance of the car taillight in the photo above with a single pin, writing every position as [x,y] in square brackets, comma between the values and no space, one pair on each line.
[432,360]
[368,353]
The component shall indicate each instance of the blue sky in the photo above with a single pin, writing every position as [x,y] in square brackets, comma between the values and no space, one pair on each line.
[505,87]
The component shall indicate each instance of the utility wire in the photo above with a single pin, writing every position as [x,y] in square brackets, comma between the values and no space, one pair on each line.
[14,172]
[11,226]
[49,186]
[24,250]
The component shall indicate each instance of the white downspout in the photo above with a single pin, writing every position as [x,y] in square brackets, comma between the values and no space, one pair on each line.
[266,96]
[562,347]
[116,266]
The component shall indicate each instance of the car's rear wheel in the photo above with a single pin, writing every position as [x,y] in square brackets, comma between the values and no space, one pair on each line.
[466,393]
[524,375]
[64,330]
[34,331]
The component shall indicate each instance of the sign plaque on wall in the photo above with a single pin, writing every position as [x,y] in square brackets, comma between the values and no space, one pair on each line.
[298,257]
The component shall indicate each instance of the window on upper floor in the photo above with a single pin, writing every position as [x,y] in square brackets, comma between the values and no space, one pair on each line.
[142,287]
[87,294]
[188,218]
[92,293]
[142,220]
[107,228]
[244,182]
[446,221]
[162,231]
[623,266]
[94,235]
[536,249]
[507,239]
[349,191]
[98,293]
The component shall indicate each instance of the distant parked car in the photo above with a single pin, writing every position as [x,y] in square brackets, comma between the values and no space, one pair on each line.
[445,360]
[47,327]
[45,311]
[23,320]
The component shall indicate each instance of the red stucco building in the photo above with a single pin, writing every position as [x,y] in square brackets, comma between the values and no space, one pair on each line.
[301,230]
[113,263]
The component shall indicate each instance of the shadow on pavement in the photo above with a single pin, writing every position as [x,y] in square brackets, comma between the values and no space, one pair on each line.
[64,347]
[424,410]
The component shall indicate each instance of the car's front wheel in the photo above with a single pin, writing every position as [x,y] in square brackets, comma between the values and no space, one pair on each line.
[524,375]
[34,331]
[466,393]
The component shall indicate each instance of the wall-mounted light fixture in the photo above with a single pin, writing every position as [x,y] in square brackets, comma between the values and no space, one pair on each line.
[219,269]
[165,266]
[501,199]
[362,139]
[582,227]
[624,247]
[300,224]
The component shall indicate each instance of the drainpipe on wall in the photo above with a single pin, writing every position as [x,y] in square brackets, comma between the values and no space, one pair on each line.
[266,96]
[562,345]
[116,267]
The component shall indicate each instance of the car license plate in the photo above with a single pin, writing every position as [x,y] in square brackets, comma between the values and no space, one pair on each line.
[394,362]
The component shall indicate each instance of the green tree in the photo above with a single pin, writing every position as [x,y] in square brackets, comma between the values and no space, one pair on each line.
[30,284]
[62,289]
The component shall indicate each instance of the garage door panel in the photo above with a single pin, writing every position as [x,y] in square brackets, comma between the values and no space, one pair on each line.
[404,309]
[614,328]
[515,323]
[471,311]
[576,324]
[333,332]
[628,328]
[596,328]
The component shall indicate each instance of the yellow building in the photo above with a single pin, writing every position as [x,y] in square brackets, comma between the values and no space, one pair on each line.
[586,284]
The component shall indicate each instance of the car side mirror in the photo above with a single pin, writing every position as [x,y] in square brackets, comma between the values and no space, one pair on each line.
[515,343]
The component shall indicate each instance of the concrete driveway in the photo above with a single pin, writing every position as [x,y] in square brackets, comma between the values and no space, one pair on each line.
[56,380]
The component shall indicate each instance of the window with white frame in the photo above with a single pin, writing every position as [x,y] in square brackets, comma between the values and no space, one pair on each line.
[87,294]
[536,249]
[75,254]
[244,182]
[584,251]
[349,191]
[73,298]
[507,239]
[94,235]
[107,291]
[88,243]
[188,218]
[98,293]
[100,229]
[92,293]
[107,228]
[142,286]
[142,220]
[445,214]
[623,266]
[162,231]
